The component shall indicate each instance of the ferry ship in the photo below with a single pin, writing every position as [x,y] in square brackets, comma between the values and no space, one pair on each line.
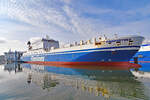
[143,55]
[98,51]
[143,58]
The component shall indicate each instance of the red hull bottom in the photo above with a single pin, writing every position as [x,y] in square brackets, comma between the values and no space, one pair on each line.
[92,64]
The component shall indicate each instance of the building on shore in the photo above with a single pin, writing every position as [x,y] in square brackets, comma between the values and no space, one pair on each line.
[12,56]
[2,59]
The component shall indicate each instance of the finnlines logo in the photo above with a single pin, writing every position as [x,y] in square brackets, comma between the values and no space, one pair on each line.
[37,59]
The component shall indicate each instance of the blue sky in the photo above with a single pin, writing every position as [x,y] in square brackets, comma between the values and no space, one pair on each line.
[70,20]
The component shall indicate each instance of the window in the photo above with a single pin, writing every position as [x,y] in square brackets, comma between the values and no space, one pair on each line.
[140,56]
[130,42]
[118,43]
[109,42]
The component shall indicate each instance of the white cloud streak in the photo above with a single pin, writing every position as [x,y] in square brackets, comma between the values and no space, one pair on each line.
[2,40]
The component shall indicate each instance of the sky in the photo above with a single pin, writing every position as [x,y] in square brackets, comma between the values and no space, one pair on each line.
[70,20]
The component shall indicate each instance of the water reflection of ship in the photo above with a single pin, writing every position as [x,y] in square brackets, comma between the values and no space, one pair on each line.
[13,67]
[100,83]
[43,80]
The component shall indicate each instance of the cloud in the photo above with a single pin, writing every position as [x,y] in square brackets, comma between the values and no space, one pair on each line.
[66,1]
[11,44]
[2,40]
[57,17]
[131,27]
[34,39]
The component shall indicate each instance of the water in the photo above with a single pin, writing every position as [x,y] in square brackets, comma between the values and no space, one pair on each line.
[39,82]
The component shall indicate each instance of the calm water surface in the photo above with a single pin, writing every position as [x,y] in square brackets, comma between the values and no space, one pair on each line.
[39,82]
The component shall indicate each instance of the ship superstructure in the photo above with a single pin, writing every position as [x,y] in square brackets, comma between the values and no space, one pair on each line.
[96,51]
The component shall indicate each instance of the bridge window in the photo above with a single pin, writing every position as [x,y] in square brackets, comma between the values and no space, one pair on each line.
[109,42]
[118,43]
[130,42]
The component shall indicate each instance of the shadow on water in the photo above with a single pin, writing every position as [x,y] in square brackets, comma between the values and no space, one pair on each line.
[109,83]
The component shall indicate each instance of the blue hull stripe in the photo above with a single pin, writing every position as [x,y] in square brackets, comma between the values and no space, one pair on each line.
[146,45]
[86,50]
[117,56]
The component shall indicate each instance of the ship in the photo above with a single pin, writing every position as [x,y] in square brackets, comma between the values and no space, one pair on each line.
[143,59]
[143,55]
[97,51]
